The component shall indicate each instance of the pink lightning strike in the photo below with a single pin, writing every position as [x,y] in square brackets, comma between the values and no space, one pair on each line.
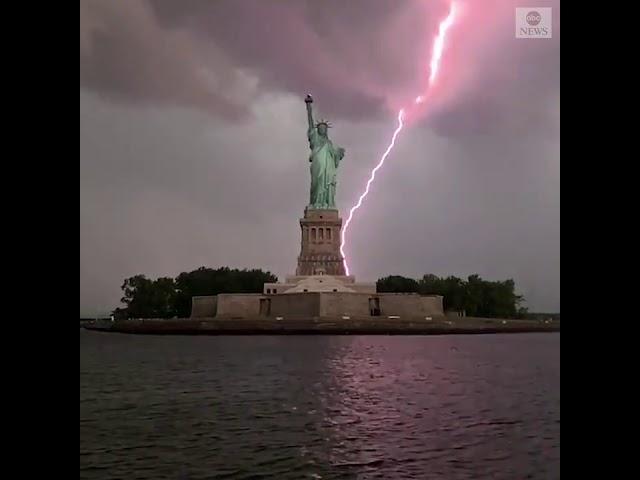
[438,45]
[434,67]
[366,190]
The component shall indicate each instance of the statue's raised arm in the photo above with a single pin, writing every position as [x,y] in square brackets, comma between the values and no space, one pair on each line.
[309,100]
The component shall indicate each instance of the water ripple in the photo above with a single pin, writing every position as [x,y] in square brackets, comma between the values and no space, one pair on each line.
[319,407]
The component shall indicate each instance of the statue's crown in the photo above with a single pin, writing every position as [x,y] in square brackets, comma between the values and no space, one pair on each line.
[323,122]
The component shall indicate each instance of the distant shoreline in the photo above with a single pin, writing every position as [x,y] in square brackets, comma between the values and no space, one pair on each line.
[325,326]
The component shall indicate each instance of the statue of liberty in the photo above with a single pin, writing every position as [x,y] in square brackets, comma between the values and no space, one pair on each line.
[324,158]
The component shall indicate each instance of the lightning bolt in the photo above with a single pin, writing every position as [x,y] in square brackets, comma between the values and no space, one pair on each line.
[434,67]
[438,45]
[366,190]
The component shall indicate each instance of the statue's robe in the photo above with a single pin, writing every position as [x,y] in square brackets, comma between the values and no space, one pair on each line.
[324,158]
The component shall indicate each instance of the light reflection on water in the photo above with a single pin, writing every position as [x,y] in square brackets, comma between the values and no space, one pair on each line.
[320,406]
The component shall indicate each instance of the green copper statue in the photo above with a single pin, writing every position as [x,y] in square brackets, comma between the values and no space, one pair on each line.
[324,158]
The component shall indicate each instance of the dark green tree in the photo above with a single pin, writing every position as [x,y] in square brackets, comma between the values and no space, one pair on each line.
[166,297]
[474,296]
[208,281]
[453,289]
[397,284]
[145,298]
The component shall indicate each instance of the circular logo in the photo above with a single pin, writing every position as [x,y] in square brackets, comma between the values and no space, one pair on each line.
[533,18]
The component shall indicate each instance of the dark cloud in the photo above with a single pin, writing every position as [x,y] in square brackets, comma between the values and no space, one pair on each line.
[355,55]
[125,54]
[358,56]
[362,57]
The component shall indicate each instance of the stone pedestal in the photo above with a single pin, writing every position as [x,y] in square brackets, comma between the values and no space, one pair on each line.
[320,246]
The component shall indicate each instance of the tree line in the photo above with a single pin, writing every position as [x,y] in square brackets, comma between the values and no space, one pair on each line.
[168,297]
[474,296]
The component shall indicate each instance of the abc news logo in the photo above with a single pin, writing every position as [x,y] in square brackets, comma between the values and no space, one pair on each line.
[533,22]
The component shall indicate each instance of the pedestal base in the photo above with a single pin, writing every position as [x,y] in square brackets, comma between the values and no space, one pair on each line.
[320,245]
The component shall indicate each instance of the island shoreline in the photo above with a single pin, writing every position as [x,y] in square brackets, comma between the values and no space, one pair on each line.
[324,326]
